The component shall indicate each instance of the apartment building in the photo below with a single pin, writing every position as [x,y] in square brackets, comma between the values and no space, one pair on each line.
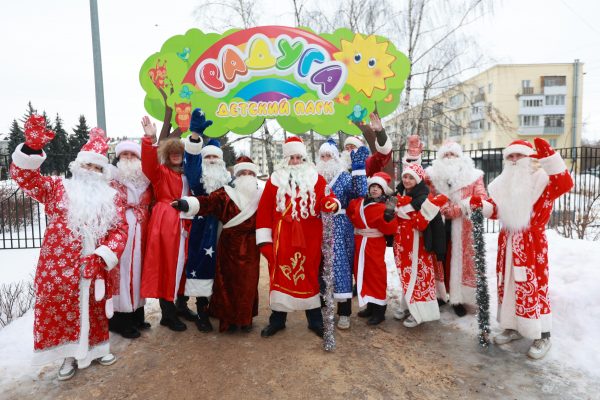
[503,103]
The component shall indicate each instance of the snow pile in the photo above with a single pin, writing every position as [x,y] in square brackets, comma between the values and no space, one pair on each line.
[574,299]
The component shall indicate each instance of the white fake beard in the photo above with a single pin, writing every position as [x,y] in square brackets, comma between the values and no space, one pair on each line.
[513,192]
[247,188]
[451,174]
[346,159]
[330,168]
[214,175]
[91,210]
[130,172]
[299,187]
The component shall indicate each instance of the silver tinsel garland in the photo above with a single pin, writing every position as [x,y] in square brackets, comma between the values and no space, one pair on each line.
[482,295]
[328,255]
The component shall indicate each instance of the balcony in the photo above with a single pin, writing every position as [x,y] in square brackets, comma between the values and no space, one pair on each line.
[479,98]
[549,90]
[527,91]
[554,130]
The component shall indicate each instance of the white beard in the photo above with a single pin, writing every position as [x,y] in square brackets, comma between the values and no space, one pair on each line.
[299,186]
[514,192]
[214,175]
[91,210]
[247,189]
[130,173]
[449,175]
[329,169]
[346,160]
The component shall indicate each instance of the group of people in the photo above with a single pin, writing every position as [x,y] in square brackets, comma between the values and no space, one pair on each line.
[169,221]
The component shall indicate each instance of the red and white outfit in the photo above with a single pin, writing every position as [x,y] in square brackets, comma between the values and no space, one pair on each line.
[458,179]
[522,263]
[370,245]
[71,312]
[163,274]
[129,276]
[415,264]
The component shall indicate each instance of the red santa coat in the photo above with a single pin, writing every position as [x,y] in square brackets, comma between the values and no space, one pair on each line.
[68,320]
[294,272]
[369,250]
[162,274]
[522,263]
[457,275]
[415,266]
[128,277]
[235,290]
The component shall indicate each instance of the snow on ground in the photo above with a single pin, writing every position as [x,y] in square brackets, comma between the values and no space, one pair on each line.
[574,300]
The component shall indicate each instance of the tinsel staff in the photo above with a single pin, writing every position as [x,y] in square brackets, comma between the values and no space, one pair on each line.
[482,296]
[328,255]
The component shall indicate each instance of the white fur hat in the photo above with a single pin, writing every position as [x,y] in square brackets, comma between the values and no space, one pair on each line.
[449,146]
[244,163]
[128,145]
[212,148]
[354,140]
[329,147]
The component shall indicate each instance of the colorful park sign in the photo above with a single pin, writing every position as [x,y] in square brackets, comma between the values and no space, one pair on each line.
[305,81]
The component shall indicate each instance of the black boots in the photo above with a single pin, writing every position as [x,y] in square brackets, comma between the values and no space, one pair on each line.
[378,314]
[367,312]
[202,321]
[314,316]
[459,309]
[183,310]
[123,324]
[169,316]
[276,323]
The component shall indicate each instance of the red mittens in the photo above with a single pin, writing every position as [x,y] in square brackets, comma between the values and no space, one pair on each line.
[93,265]
[542,148]
[403,200]
[476,202]
[438,200]
[328,204]
[36,133]
[267,251]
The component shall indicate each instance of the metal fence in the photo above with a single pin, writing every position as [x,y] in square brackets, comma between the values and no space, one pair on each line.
[23,222]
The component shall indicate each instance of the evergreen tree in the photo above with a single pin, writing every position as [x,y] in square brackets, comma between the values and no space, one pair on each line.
[15,137]
[58,148]
[30,110]
[80,136]
[228,151]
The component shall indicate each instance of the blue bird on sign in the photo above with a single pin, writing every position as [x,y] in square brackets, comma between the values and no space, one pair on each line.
[358,114]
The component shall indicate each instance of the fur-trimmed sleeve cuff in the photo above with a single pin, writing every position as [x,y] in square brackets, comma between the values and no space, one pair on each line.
[488,209]
[553,164]
[109,257]
[264,235]
[192,147]
[386,148]
[194,205]
[358,172]
[429,210]
[25,161]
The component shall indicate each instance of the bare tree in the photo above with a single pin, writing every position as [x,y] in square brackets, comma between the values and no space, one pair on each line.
[226,14]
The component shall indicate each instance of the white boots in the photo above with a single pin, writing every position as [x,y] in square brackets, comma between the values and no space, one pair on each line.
[343,322]
[538,349]
[507,336]
[69,366]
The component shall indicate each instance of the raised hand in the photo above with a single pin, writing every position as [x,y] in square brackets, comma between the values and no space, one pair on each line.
[375,122]
[359,158]
[199,123]
[149,128]
[36,133]
[390,208]
[543,148]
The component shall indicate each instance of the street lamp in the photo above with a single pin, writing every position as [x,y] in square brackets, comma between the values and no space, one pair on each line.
[100,116]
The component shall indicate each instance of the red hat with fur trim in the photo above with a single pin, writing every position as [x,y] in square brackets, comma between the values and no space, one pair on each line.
[382,179]
[244,163]
[518,146]
[294,145]
[414,170]
[94,151]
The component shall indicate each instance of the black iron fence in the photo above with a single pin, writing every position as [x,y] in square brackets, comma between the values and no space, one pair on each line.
[577,214]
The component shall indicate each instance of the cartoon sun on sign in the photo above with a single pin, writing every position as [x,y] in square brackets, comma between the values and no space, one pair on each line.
[367,61]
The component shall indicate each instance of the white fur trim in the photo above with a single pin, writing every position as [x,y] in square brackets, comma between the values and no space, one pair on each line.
[24,161]
[99,289]
[359,172]
[293,148]
[553,164]
[353,140]
[386,148]
[194,206]
[109,308]
[128,145]
[198,287]
[381,182]
[517,148]
[191,147]
[449,147]
[109,256]
[429,210]
[245,166]
[405,163]
[412,173]
[403,211]
[329,148]
[488,209]
[264,235]
[211,150]
[284,302]
[91,157]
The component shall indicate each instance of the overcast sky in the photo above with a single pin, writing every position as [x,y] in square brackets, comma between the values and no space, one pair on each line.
[47,52]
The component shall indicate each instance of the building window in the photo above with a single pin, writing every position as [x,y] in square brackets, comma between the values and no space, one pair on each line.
[455,100]
[481,90]
[471,146]
[480,146]
[526,84]
[530,120]
[555,100]
[554,121]
[533,103]
[437,108]
[476,110]
[552,143]
[490,87]
[489,124]
[489,144]
[554,80]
